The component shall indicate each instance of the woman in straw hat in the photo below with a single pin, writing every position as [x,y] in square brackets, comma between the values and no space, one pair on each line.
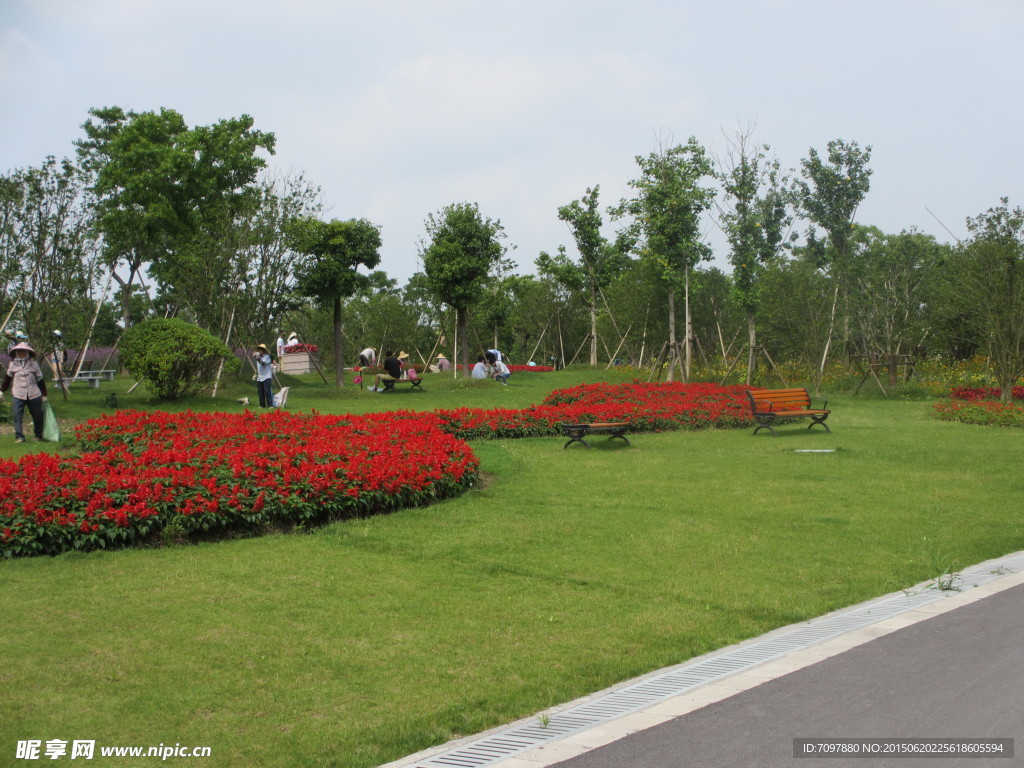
[28,388]
[263,375]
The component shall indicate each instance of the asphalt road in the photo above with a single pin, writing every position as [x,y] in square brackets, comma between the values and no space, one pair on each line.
[956,675]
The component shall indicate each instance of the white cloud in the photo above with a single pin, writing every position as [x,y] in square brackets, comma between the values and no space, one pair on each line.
[23,61]
[397,109]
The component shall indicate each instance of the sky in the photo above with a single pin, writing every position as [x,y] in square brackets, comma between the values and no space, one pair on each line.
[396,109]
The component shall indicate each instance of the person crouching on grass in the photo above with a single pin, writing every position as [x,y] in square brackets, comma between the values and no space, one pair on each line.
[28,387]
[499,372]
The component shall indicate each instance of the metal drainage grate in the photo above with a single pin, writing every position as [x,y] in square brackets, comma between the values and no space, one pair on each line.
[690,675]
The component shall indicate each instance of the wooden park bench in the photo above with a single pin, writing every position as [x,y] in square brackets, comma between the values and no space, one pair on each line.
[614,429]
[771,406]
[389,384]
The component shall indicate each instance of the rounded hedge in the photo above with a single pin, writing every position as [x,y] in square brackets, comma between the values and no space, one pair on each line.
[176,359]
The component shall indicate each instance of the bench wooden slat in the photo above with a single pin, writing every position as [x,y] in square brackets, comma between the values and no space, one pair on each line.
[769,406]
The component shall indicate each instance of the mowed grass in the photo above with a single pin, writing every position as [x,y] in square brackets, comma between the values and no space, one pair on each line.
[565,572]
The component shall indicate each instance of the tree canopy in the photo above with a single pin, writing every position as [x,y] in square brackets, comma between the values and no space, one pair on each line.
[336,250]
[464,247]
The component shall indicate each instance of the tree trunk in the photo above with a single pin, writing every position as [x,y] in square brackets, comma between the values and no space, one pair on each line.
[460,333]
[752,344]
[339,357]
[689,330]
[828,342]
[593,327]
[672,345]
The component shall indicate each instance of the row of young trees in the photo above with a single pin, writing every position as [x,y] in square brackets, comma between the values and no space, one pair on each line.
[240,252]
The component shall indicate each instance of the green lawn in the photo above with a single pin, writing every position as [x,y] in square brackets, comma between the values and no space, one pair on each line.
[565,572]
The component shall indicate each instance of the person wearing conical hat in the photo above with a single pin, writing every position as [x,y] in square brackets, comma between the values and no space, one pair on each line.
[443,364]
[264,373]
[25,379]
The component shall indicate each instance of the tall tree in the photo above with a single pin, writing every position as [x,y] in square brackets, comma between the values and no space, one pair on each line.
[50,256]
[988,277]
[755,218]
[667,211]
[464,248]
[889,308]
[265,253]
[828,194]
[601,260]
[336,249]
[169,196]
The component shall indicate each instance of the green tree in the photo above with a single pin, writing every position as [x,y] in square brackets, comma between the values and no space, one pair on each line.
[49,255]
[795,310]
[988,276]
[755,218]
[601,260]
[336,249]
[464,248]
[265,253]
[169,197]
[667,212]
[828,194]
[889,307]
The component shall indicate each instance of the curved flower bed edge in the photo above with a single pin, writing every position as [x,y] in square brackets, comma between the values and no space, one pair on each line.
[144,477]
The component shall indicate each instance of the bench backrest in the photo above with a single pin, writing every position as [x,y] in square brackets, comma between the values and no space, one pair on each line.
[762,400]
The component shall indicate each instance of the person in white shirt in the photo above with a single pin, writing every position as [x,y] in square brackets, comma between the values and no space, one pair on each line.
[499,372]
[479,370]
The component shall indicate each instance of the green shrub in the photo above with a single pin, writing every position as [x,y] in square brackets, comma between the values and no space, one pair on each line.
[176,359]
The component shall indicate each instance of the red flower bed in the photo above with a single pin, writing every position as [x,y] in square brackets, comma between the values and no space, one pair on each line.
[143,473]
[646,406]
[300,347]
[981,412]
[530,368]
[979,393]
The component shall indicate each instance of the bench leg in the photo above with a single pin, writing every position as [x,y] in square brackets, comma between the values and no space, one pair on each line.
[576,436]
[765,426]
[819,420]
[619,435]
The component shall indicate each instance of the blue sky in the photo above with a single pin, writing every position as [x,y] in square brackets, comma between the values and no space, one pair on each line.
[399,108]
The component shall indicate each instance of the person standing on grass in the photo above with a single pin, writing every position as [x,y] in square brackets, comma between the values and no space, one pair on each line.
[25,379]
[280,343]
[263,375]
[392,371]
[367,357]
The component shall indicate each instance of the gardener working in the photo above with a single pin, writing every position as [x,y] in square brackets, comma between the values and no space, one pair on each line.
[28,387]
[263,375]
